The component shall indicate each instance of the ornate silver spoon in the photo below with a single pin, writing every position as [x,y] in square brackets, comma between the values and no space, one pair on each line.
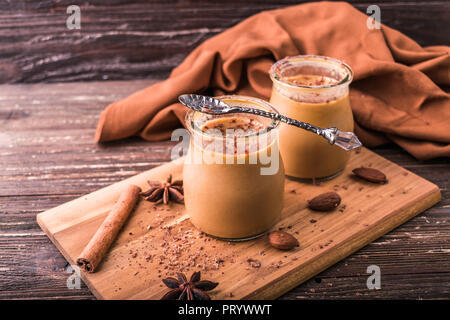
[345,140]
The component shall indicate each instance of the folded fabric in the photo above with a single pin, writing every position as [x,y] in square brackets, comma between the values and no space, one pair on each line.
[395,95]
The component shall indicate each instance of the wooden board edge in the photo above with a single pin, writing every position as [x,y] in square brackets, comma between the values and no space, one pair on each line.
[293,278]
[67,257]
[41,221]
[48,214]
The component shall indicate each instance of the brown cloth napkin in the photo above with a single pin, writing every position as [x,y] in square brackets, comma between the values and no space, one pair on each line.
[395,94]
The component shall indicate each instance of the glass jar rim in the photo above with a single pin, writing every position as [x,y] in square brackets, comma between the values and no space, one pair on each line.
[276,68]
[189,118]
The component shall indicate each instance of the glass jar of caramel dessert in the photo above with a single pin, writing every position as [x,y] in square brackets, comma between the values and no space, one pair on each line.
[233,174]
[312,89]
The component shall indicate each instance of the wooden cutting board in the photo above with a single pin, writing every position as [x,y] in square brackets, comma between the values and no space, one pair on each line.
[142,256]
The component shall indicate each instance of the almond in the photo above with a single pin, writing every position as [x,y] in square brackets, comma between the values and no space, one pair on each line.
[370,174]
[282,240]
[325,202]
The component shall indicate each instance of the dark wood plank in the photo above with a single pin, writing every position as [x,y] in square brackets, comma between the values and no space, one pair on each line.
[122,40]
[48,157]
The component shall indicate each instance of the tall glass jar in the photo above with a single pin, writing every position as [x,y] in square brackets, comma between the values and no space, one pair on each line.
[312,89]
[233,174]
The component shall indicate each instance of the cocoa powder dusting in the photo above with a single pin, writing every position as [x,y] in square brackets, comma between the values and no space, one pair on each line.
[178,249]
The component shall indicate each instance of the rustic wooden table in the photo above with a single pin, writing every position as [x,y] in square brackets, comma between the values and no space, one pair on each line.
[48,157]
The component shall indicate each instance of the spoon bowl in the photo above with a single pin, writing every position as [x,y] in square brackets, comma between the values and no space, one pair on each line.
[206,104]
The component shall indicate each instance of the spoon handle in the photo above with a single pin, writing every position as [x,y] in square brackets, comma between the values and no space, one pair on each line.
[277,116]
[345,140]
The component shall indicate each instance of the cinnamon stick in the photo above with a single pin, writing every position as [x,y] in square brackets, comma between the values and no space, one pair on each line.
[97,247]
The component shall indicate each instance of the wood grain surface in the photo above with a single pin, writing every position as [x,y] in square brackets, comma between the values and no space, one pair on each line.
[47,157]
[140,39]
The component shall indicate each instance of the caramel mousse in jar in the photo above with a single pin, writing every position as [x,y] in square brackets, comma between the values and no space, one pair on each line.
[312,89]
[233,174]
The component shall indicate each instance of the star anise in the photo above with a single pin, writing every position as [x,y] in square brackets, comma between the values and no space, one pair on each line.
[164,192]
[194,289]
